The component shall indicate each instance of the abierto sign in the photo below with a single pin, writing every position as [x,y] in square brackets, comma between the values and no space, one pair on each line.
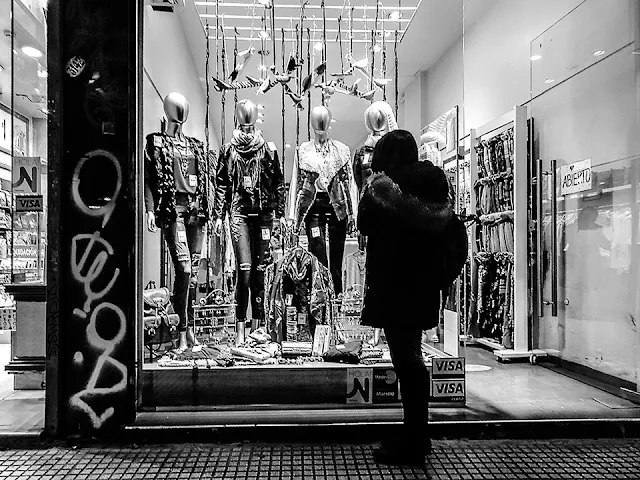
[575,177]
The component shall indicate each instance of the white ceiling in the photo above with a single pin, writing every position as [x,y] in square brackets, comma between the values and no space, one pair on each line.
[436,25]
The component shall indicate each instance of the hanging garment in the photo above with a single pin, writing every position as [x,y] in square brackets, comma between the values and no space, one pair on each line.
[354,270]
[300,281]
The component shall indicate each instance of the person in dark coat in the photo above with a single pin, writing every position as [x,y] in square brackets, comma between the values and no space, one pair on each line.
[404,209]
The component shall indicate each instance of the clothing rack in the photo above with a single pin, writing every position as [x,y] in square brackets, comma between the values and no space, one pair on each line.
[499,173]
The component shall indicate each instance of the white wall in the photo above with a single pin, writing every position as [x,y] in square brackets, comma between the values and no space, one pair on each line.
[411,118]
[497,58]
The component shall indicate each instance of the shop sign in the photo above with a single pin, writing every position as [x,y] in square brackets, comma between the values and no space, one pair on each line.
[360,385]
[29,203]
[26,175]
[575,177]
[386,388]
[448,390]
[448,368]
[25,251]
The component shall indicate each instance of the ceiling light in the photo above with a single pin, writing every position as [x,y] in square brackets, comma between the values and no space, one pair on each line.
[387,33]
[377,47]
[535,57]
[260,107]
[43,73]
[264,34]
[549,80]
[598,53]
[395,15]
[318,46]
[31,51]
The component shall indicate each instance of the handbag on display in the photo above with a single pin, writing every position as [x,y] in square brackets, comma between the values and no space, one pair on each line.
[344,353]
[160,326]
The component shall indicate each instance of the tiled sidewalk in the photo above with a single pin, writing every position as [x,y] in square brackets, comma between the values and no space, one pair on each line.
[571,459]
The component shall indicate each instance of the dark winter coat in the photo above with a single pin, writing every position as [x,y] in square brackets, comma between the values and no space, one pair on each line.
[404,218]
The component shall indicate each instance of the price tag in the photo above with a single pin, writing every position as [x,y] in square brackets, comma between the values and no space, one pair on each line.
[289,299]
[302,318]
[315,232]
[182,236]
[157,141]
[367,159]
[266,234]
[193,180]
[246,181]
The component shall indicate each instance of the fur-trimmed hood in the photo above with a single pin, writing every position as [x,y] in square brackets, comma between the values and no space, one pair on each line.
[418,199]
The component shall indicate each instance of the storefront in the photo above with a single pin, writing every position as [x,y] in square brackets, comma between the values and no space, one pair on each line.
[174,288]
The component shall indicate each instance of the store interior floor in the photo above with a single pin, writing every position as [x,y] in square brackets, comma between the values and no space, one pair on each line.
[522,391]
[20,411]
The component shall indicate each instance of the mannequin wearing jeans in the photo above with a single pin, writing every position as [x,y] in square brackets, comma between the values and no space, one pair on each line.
[250,188]
[323,195]
[178,199]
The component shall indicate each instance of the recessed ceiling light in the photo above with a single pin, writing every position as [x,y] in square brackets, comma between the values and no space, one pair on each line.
[535,57]
[31,51]
[43,73]
[395,15]
[318,46]
[549,80]
[598,53]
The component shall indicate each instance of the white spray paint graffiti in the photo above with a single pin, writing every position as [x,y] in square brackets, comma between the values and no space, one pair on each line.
[90,254]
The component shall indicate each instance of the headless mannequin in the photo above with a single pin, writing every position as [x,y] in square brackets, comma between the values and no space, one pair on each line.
[251,223]
[184,242]
[379,121]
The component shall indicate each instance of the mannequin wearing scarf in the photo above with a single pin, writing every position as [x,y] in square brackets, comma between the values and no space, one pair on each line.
[177,200]
[250,189]
[323,195]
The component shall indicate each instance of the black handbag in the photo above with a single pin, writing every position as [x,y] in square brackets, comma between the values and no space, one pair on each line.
[160,326]
[345,353]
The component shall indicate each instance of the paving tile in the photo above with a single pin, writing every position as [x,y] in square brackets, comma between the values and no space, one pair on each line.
[459,460]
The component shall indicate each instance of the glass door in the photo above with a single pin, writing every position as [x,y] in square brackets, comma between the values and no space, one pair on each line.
[584,101]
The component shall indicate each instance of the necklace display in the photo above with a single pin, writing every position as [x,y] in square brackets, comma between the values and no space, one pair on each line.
[180,147]
[322,149]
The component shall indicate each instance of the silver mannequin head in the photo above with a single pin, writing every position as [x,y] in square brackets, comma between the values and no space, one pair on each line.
[379,118]
[176,108]
[246,113]
[320,119]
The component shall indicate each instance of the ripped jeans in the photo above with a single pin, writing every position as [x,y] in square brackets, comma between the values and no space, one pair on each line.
[251,235]
[184,239]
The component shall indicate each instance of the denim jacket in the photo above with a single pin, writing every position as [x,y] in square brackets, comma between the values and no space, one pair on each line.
[337,169]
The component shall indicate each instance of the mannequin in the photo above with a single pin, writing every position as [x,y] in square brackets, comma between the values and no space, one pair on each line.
[323,194]
[250,188]
[379,120]
[178,199]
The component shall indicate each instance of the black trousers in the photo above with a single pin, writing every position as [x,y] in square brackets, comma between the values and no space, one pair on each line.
[320,221]
[251,235]
[184,239]
[405,346]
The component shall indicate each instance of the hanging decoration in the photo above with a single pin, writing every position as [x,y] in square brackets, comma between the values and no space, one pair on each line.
[207,146]
[308,91]
[283,92]
[223,100]
[395,54]
[235,63]
[383,53]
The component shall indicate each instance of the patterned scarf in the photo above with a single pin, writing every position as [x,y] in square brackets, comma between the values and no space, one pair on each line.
[247,142]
